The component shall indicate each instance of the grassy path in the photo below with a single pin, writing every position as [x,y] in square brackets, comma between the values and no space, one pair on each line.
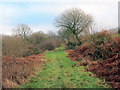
[60,72]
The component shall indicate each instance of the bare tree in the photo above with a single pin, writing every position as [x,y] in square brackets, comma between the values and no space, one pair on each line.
[23,30]
[75,21]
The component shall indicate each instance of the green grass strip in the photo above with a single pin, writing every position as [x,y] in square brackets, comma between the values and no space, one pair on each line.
[60,72]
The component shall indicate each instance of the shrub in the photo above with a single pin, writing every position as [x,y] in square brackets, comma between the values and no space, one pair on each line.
[14,46]
[71,45]
[102,47]
[47,45]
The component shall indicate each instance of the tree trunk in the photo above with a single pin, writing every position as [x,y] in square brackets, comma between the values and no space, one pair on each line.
[79,42]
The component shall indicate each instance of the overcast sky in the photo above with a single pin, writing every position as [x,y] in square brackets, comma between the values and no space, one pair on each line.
[40,14]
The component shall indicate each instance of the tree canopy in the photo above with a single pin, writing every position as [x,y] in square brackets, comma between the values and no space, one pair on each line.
[74,20]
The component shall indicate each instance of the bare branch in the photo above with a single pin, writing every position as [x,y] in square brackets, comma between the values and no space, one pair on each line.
[22,30]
